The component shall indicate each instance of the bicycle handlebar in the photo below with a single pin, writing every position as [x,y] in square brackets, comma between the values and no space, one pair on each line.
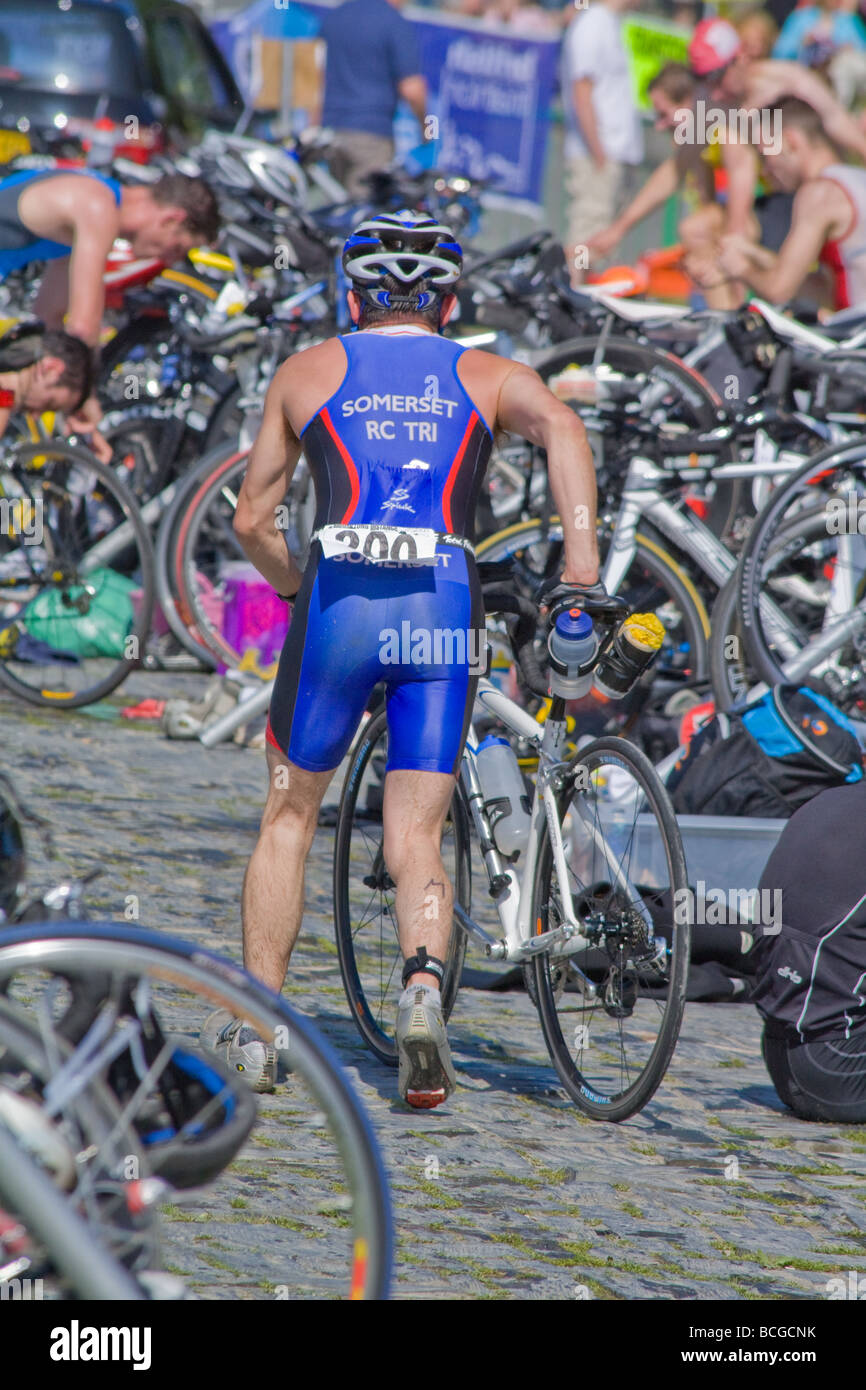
[610,609]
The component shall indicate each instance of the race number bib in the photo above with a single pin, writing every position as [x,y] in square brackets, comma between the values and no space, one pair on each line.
[381,544]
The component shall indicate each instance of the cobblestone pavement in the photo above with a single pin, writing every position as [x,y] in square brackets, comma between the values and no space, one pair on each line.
[505,1192]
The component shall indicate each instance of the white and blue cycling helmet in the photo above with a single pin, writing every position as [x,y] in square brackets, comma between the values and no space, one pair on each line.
[411,247]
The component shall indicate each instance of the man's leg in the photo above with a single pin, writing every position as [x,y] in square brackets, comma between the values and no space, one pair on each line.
[356,154]
[273,898]
[594,196]
[414,811]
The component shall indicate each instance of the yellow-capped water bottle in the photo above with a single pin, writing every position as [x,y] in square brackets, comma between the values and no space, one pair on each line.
[634,647]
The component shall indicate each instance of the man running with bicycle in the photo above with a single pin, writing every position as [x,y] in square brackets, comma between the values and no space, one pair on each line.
[397,425]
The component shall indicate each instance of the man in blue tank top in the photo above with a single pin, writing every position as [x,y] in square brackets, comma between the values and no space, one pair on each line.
[397,425]
[70,218]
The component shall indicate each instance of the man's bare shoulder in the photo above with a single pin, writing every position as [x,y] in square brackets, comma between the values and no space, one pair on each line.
[825,203]
[307,379]
[487,365]
[315,358]
[70,200]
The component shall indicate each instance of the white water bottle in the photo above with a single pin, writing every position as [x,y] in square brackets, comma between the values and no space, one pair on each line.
[572,645]
[504,791]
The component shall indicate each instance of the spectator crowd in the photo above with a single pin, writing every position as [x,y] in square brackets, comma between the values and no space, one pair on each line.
[772,192]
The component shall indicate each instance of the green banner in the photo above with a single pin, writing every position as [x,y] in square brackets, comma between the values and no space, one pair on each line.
[649,44]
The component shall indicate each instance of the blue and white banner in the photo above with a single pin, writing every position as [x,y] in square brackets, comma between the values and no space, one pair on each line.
[490,92]
[491,95]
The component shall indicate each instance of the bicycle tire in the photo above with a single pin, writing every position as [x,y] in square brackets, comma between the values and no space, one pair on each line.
[658,562]
[89,1120]
[583,1091]
[198,516]
[177,614]
[102,947]
[366,1013]
[700,404]
[31,459]
[769,532]
[91,1272]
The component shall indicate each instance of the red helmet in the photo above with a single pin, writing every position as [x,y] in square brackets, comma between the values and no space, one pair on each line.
[715,43]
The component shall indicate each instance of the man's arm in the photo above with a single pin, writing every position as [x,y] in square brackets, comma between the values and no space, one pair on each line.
[53,298]
[741,164]
[779,277]
[526,407]
[413,90]
[86,284]
[581,92]
[89,218]
[272,462]
[661,185]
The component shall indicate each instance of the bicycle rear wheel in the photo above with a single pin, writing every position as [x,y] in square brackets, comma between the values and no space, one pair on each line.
[309,1185]
[371,962]
[611,1044]
[204,540]
[76,577]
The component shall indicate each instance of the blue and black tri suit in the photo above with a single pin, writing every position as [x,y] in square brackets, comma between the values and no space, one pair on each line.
[398,450]
[18,244]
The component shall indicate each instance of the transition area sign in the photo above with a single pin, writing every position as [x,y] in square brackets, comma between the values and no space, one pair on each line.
[490,95]
[649,44]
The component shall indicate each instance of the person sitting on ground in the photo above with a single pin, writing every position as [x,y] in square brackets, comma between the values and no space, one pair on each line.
[828,221]
[60,378]
[810,975]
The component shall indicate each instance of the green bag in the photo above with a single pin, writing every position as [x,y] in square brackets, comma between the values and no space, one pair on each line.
[93,618]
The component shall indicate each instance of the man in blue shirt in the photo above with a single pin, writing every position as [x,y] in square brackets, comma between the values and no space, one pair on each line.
[372,62]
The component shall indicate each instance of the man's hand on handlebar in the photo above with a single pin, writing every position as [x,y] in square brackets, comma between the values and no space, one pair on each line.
[592,598]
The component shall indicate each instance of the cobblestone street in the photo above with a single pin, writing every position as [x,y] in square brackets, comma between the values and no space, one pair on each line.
[506,1191]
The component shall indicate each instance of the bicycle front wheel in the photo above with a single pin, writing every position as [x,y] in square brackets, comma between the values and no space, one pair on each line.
[611,1010]
[304,1207]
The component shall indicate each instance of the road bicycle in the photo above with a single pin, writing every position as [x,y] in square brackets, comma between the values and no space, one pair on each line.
[586,908]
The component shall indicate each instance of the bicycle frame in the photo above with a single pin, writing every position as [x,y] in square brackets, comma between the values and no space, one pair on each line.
[512,892]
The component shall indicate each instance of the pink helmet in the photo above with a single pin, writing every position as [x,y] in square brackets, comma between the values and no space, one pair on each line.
[715,43]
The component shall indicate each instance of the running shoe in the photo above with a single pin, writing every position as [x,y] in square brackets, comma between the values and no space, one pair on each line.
[426,1075]
[241,1048]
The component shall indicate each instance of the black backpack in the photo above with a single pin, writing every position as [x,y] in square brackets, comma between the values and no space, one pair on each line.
[768,759]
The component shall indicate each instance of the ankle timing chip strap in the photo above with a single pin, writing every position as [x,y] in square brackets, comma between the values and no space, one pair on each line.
[422,961]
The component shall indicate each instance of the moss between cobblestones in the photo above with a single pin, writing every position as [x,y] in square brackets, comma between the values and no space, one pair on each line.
[760,1257]
[434,1191]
